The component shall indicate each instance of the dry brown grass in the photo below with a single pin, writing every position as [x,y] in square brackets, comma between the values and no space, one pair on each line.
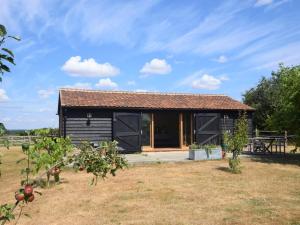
[172,193]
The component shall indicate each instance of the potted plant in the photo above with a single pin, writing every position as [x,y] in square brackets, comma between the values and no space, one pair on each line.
[197,152]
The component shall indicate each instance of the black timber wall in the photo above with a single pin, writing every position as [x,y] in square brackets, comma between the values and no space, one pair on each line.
[228,120]
[73,122]
[79,128]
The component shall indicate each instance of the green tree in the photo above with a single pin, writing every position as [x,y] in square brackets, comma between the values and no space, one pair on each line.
[286,115]
[262,98]
[2,129]
[277,101]
[236,141]
[6,55]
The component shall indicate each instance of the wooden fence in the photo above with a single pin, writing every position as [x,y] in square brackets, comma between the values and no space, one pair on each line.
[17,140]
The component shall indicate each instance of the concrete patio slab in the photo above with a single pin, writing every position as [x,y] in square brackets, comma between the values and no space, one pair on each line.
[171,156]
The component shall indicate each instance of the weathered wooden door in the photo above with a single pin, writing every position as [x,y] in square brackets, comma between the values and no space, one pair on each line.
[207,128]
[127,131]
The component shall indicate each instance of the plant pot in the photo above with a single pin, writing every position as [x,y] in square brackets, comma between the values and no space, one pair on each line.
[216,153]
[197,154]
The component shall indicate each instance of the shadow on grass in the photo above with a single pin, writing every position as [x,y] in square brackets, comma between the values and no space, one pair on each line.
[289,159]
[224,169]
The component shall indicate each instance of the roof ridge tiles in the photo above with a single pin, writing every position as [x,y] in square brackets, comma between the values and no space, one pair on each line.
[138,92]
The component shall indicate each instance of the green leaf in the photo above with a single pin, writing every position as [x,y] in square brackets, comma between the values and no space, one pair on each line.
[15,37]
[2,30]
[7,58]
[5,68]
[8,51]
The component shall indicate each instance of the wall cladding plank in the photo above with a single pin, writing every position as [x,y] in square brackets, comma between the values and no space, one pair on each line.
[79,128]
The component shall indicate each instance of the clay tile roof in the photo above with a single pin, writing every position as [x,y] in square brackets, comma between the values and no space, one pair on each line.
[147,100]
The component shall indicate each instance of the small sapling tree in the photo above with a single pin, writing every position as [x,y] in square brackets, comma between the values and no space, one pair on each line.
[236,141]
[49,154]
[99,161]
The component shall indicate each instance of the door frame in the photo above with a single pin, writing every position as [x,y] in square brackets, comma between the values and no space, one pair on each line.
[180,132]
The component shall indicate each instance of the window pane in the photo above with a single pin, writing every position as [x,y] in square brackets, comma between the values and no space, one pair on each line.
[146,120]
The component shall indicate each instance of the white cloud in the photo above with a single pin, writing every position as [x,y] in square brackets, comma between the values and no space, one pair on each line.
[102,22]
[79,85]
[88,68]
[270,59]
[206,81]
[156,66]
[270,4]
[200,80]
[46,93]
[259,3]
[223,77]
[107,84]
[131,83]
[222,59]
[3,95]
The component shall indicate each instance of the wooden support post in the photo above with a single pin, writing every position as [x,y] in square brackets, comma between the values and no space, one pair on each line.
[192,131]
[180,130]
[152,131]
[271,147]
[285,139]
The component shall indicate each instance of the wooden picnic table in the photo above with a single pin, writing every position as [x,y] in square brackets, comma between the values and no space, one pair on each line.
[267,144]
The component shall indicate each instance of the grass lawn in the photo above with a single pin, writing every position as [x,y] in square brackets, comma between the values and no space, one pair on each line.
[267,192]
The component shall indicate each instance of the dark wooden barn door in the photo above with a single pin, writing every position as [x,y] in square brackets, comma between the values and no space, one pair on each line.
[127,131]
[207,127]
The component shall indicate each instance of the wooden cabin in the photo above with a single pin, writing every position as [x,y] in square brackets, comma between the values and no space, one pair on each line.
[147,121]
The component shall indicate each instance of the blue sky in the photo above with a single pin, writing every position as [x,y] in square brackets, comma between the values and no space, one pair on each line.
[170,46]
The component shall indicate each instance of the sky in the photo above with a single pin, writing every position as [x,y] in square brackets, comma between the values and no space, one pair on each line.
[211,47]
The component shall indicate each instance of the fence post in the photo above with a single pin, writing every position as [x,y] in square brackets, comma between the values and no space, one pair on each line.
[256,132]
[285,139]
